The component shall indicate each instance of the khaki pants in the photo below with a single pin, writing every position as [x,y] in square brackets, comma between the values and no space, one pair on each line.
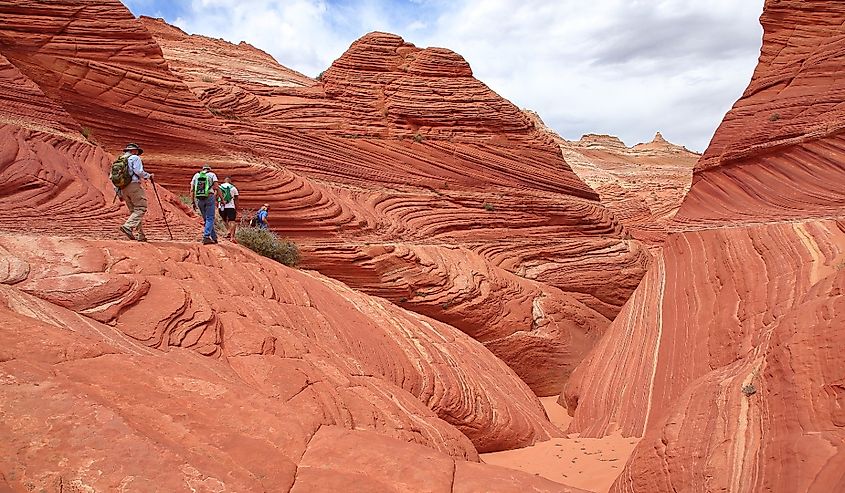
[136,201]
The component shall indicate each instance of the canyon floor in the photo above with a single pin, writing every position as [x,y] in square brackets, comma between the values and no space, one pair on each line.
[588,463]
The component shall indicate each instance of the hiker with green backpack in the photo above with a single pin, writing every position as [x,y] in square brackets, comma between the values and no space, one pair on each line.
[127,171]
[229,207]
[204,193]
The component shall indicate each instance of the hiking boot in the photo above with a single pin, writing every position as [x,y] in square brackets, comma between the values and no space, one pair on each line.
[208,241]
[127,232]
[142,238]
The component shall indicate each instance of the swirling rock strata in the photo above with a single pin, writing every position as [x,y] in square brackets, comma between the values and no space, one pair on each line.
[642,185]
[395,144]
[87,407]
[345,357]
[722,358]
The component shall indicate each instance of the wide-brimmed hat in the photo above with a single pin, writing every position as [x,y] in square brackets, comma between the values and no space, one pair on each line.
[133,147]
[206,166]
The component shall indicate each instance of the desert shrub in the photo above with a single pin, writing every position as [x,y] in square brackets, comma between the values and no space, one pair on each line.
[207,78]
[489,207]
[775,117]
[749,390]
[264,242]
[320,75]
[86,132]
[418,137]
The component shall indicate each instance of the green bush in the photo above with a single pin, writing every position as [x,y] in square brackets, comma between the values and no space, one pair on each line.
[489,207]
[265,242]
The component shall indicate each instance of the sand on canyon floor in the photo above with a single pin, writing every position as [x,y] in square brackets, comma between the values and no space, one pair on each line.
[587,463]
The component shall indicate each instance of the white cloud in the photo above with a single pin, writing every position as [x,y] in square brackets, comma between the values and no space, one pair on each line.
[625,67]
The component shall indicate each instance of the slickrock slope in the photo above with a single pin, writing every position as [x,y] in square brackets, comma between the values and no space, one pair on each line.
[172,364]
[727,359]
[412,159]
[217,367]
[642,185]
[397,146]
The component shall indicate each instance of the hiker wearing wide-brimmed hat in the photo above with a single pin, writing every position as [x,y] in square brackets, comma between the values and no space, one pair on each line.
[127,173]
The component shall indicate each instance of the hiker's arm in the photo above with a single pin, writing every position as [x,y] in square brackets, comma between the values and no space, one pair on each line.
[138,167]
[191,194]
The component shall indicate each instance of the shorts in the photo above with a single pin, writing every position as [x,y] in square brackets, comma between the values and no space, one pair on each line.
[229,214]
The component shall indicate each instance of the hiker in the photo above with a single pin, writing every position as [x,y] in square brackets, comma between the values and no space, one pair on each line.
[261,217]
[204,190]
[229,206]
[126,175]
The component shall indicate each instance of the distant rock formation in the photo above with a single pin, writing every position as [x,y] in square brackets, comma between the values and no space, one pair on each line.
[642,185]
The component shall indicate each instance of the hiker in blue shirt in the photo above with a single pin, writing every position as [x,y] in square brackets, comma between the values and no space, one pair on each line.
[204,192]
[261,217]
[133,195]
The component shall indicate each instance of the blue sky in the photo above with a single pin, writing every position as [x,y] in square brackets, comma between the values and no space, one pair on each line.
[624,67]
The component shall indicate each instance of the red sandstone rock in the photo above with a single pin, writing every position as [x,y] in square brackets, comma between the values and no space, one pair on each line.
[419,157]
[722,358]
[87,408]
[343,357]
[642,185]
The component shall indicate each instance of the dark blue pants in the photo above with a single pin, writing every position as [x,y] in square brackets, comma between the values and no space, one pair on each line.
[207,207]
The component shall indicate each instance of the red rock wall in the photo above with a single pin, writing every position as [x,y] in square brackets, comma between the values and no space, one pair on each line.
[109,412]
[488,179]
[722,359]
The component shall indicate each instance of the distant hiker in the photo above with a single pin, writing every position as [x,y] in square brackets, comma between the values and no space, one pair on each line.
[204,189]
[261,220]
[229,206]
[126,174]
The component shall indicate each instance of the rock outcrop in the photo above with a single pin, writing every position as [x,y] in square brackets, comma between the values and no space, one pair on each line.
[398,174]
[186,369]
[642,185]
[725,360]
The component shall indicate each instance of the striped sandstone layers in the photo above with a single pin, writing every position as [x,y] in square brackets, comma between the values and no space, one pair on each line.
[727,359]
[188,366]
[642,185]
[182,368]
[417,154]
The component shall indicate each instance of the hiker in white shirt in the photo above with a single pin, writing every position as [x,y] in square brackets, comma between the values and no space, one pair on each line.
[229,207]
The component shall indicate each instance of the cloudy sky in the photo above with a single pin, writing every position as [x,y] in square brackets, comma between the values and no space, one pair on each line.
[623,67]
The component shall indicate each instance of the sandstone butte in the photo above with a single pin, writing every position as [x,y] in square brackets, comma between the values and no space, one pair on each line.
[454,267]
[642,185]
[727,360]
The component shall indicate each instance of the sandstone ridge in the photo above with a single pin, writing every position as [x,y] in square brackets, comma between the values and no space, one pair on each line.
[440,231]
[723,360]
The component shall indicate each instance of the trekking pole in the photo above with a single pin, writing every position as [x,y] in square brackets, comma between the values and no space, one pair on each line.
[163,215]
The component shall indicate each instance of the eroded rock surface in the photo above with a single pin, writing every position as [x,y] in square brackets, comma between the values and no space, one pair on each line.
[396,146]
[198,365]
[723,359]
[642,185]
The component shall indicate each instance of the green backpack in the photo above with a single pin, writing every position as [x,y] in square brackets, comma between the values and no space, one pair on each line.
[226,188]
[120,175]
[203,185]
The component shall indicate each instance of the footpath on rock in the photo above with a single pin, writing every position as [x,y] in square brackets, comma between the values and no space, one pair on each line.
[456,266]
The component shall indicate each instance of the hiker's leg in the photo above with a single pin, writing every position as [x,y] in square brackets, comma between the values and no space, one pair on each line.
[207,210]
[137,203]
